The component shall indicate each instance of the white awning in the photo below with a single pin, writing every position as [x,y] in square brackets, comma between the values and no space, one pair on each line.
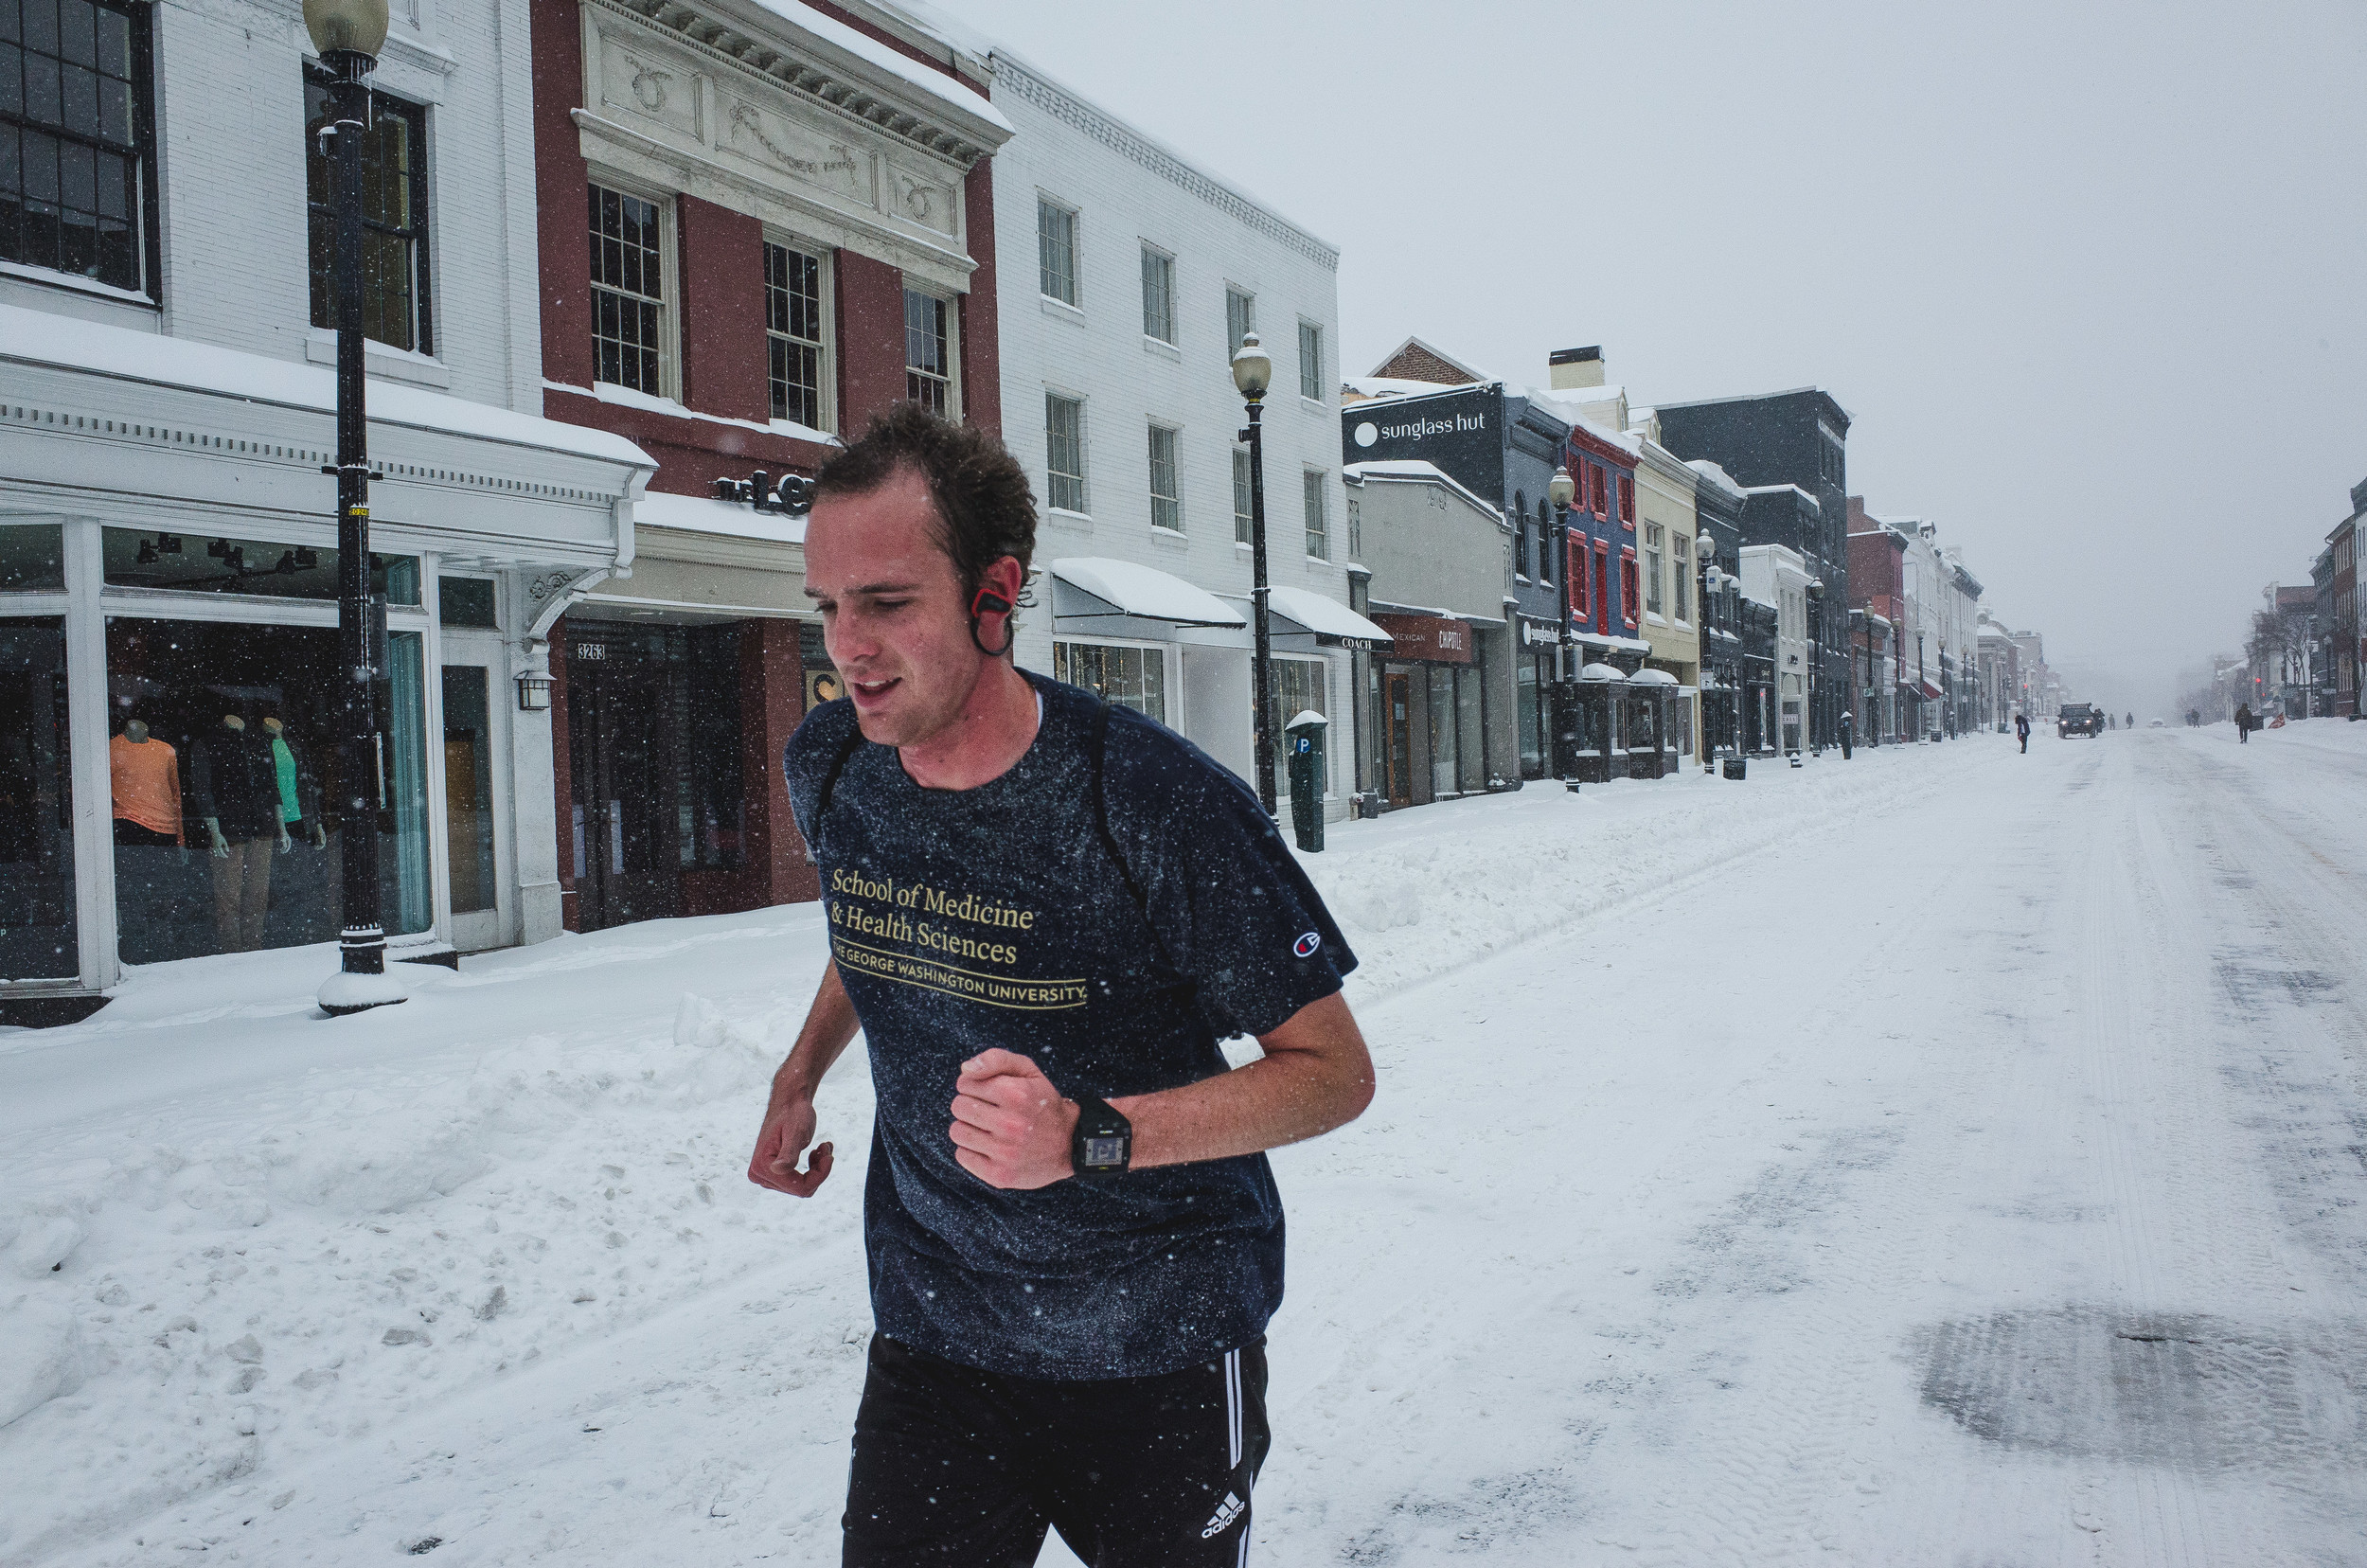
[1117,588]
[1322,616]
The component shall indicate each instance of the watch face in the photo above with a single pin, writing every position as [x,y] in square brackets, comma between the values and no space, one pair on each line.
[1105,1151]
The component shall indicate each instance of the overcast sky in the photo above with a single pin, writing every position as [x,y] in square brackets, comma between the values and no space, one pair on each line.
[2091,279]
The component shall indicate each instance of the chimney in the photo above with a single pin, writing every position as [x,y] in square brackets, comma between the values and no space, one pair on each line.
[1573,369]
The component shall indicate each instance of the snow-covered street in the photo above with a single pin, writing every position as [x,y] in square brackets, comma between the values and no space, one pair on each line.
[2007,1210]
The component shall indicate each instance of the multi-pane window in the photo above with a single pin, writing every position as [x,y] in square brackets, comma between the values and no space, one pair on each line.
[792,331]
[1681,580]
[1166,500]
[77,139]
[1627,498]
[1520,535]
[1310,361]
[1130,677]
[1158,295]
[1544,547]
[1056,252]
[1241,518]
[1652,549]
[1318,519]
[1299,685]
[1626,587]
[1578,579]
[394,215]
[628,292]
[1064,452]
[928,351]
[1241,318]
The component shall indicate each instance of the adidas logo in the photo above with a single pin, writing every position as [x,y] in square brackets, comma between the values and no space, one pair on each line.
[1227,1513]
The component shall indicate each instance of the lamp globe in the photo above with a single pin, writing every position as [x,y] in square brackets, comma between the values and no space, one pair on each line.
[354,26]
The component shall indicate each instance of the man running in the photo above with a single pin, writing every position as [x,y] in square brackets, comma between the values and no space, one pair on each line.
[1045,913]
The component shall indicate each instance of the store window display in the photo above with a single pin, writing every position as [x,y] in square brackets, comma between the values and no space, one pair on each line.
[37,917]
[238,799]
[252,859]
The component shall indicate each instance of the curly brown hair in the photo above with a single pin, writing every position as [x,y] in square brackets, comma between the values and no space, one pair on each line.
[986,509]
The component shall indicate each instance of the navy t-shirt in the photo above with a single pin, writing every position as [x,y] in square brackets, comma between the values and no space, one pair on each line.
[1111,934]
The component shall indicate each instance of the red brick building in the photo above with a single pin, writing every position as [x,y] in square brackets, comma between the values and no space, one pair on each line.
[757,226]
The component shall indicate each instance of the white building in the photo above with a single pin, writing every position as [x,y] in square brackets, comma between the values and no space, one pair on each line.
[167,537]
[1118,393]
[1776,574]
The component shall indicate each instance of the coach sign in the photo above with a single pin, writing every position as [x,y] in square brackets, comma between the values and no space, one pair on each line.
[1434,640]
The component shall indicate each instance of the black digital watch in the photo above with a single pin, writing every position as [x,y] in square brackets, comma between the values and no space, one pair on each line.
[1103,1144]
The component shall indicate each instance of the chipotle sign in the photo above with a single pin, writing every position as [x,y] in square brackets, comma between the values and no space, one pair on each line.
[1433,637]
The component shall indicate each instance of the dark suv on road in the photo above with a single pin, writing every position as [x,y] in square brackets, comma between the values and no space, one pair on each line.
[2080,719]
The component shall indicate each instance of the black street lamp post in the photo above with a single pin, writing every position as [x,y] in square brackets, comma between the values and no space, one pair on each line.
[1253,372]
[349,34]
[1820,722]
[1704,551]
[1561,490]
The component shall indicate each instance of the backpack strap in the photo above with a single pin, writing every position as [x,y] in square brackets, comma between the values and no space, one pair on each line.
[830,783]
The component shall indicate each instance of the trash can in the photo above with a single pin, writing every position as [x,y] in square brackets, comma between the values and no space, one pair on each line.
[1303,736]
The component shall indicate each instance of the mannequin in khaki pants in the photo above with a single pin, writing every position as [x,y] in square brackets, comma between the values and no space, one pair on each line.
[237,786]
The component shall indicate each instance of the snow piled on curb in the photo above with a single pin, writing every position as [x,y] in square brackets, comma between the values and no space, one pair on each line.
[227,1276]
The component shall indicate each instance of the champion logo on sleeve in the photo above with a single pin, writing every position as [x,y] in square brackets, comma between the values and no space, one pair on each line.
[1305,947]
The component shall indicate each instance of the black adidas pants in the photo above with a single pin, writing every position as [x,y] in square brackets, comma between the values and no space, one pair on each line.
[955,1466]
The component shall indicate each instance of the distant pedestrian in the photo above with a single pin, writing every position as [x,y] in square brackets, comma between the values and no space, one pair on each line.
[2243,724]
[2128,721]
[1845,735]
[2022,730]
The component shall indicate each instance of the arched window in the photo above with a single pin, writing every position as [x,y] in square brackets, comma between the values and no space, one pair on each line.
[1544,545]
[1520,532]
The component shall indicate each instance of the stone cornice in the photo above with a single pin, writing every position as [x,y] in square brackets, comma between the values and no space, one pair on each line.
[1127,142]
[868,95]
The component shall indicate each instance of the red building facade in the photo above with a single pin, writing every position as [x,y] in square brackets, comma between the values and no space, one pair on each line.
[758,226]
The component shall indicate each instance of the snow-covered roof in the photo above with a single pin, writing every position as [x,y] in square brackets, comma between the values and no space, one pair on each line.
[1397,386]
[1134,589]
[1716,474]
[706,515]
[869,49]
[1770,489]
[1415,470]
[1451,361]
[1031,82]
[1323,616]
[38,337]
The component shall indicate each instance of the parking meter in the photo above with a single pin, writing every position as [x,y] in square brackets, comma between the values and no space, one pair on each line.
[1304,734]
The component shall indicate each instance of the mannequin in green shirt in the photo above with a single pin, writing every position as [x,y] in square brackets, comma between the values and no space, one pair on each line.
[296,785]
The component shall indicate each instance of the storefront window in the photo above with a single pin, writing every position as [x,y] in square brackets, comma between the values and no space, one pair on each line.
[1442,737]
[37,925]
[466,602]
[1130,677]
[32,557]
[206,563]
[1529,717]
[226,774]
[1470,734]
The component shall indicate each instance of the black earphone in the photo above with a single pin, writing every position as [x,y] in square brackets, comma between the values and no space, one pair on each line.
[988,602]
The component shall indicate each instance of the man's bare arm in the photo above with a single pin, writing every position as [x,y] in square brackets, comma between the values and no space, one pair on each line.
[789,1119]
[1316,1075]
[1012,1128]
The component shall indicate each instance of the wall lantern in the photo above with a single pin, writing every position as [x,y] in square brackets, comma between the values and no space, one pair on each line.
[534,692]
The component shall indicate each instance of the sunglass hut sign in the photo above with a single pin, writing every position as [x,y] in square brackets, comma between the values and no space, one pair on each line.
[1458,433]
